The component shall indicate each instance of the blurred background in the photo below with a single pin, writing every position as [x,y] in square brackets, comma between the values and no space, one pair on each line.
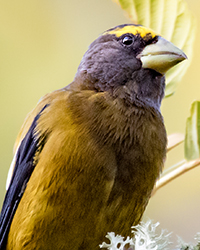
[42,43]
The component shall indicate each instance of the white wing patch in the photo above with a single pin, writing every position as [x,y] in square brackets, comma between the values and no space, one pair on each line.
[11,169]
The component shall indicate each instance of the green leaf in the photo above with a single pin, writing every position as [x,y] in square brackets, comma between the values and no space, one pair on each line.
[173,20]
[192,136]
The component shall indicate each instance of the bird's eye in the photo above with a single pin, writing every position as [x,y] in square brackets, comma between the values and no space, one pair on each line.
[127,40]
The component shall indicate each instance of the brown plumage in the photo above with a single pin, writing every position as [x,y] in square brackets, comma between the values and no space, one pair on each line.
[94,149]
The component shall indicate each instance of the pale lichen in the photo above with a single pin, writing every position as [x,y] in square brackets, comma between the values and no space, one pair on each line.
[144,237]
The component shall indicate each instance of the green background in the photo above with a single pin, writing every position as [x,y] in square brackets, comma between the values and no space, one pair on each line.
[41,45]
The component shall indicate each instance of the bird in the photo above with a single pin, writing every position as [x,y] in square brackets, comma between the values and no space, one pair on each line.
[88,155]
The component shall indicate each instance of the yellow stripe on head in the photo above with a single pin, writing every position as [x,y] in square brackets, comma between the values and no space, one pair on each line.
[132,29]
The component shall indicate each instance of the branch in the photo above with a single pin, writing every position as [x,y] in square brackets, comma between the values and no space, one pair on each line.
[174,140]
[177,171]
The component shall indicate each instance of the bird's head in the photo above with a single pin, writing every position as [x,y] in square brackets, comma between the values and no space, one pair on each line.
[130,62]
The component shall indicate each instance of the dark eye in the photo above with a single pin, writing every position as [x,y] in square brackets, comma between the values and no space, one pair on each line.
[127,40]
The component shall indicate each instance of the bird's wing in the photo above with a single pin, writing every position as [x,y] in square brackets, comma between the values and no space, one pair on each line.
[24,130]
[21,168]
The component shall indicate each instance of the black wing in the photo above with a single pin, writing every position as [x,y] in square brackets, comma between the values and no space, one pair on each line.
[22,172]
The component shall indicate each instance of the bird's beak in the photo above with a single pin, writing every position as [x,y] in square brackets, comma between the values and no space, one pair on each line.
[161,56]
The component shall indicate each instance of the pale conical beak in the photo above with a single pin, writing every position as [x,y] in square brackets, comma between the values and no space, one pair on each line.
[161,56]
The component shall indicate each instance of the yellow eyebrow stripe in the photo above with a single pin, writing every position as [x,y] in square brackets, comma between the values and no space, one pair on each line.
[143,31]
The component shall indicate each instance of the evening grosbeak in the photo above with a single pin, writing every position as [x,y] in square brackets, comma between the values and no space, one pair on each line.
[87,157]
